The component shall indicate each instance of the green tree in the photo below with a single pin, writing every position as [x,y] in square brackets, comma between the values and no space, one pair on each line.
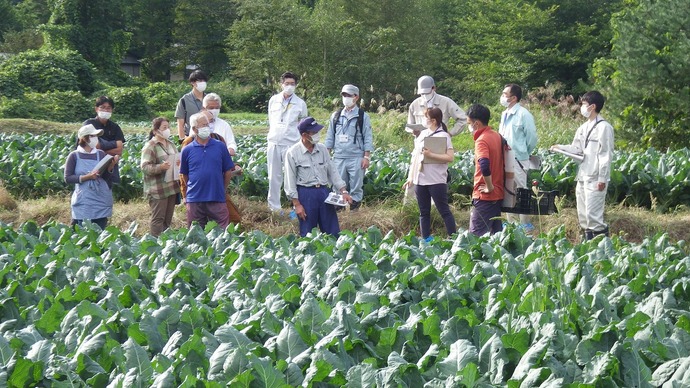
[94,28]
[647,77]
[151,24]
[268,39]
[8,18]
[200,32]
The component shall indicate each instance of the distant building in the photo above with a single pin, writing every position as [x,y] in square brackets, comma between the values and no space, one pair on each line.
[131,65]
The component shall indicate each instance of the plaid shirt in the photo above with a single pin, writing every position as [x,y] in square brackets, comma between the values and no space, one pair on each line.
[153,155]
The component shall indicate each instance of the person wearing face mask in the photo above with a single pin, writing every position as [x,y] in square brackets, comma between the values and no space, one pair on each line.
[159,162]
[487,194]
[212,104]
[351,139]
[517,127]
[309,174]
[285,110]
[92,198]
[594,142]
[429,173]
[190,103]
[112,139]
[428,98]
[206,168]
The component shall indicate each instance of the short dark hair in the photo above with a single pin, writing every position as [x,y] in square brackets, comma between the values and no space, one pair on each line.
[480,113]
[105,99]
[515,90]
[198,75]
[286,75]
[596,98]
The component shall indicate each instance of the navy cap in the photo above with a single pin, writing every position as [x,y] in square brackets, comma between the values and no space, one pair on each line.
[309,124]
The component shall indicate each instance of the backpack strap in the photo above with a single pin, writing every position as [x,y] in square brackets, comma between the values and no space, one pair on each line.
[334,121]
[358,127]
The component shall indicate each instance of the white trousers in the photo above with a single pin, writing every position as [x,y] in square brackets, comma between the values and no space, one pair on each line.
[275,156]
[590,206]
[521,183]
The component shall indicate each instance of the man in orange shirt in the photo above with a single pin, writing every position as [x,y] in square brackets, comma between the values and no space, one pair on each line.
[487,196]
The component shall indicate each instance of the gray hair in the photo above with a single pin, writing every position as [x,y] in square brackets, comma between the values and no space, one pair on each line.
[211,97]
[194,118]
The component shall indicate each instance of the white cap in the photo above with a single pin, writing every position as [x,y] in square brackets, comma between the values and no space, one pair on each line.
[424,84]
[87,130]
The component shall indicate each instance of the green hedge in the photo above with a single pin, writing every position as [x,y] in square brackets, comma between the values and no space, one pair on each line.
[50,70]
[68,106]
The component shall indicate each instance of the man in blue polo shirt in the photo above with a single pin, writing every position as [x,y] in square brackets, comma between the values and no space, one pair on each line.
[207,167]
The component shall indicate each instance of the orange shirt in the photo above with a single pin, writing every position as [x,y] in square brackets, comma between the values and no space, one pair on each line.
[487,144]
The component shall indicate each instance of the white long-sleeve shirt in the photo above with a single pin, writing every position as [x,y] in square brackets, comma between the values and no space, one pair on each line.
[594,140]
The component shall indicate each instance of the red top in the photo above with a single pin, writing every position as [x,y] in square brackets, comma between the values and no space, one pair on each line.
[487,144]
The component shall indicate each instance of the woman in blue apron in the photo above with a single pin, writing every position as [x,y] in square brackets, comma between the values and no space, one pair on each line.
[93,197]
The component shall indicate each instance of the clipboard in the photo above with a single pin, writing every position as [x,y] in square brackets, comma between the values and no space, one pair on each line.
[437,145]
[414,127]
[578,158]
[103,164]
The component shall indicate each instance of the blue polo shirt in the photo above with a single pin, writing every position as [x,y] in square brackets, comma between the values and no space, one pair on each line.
[205,167]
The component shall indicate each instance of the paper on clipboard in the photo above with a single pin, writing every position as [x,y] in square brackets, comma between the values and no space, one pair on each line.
[414,127]
[335,199]
[173,173]
[437,145]
[576,157]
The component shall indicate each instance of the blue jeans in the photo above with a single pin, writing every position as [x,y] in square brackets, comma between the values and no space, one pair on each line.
[439,193]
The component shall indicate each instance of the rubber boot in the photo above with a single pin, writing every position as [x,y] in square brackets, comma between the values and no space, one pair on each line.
[605,232]
[589,234]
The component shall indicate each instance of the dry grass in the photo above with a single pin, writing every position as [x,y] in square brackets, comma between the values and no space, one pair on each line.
[6,200]
[631,223]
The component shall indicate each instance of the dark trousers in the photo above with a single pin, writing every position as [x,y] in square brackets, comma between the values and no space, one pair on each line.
[439,193]
[485,217]
[318,212]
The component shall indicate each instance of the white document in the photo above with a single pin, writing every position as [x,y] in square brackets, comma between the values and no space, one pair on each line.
[335,199]
[173,173]
[576,157]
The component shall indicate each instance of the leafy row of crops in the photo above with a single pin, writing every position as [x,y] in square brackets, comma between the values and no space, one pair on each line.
[30,166]
[215,308]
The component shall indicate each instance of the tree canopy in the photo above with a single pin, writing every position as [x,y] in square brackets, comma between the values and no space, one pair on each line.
[636,51]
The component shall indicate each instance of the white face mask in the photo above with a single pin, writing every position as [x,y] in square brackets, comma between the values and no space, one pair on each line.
[315,138]
[428,97]
[584,110]
[93,142]
[214,112]
[201,86]
[165,133]
[288,89]
[426,123]
[104,115]
[504,101]
[348,102]
[204,133]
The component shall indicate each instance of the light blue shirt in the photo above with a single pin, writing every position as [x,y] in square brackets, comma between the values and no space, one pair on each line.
[517,127]
[344,140]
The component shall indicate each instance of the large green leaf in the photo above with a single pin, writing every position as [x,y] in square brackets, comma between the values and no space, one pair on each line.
[137,359]
[462,353]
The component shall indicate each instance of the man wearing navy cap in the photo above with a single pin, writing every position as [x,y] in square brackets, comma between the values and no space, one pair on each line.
[309,174]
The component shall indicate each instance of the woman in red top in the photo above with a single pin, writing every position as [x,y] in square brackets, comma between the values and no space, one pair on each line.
[487,196]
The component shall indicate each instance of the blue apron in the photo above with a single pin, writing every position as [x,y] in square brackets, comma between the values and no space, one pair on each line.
[91,199]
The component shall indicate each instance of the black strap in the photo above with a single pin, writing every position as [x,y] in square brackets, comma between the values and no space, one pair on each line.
[358,126]
[592,130]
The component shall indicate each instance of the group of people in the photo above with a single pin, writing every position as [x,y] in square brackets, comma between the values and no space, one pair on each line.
[308,171]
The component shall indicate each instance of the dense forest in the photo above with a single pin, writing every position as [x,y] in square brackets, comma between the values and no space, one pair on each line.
[635,51]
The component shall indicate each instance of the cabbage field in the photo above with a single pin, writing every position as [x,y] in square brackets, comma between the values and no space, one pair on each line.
[216,308]
[30,166]
[213,308]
